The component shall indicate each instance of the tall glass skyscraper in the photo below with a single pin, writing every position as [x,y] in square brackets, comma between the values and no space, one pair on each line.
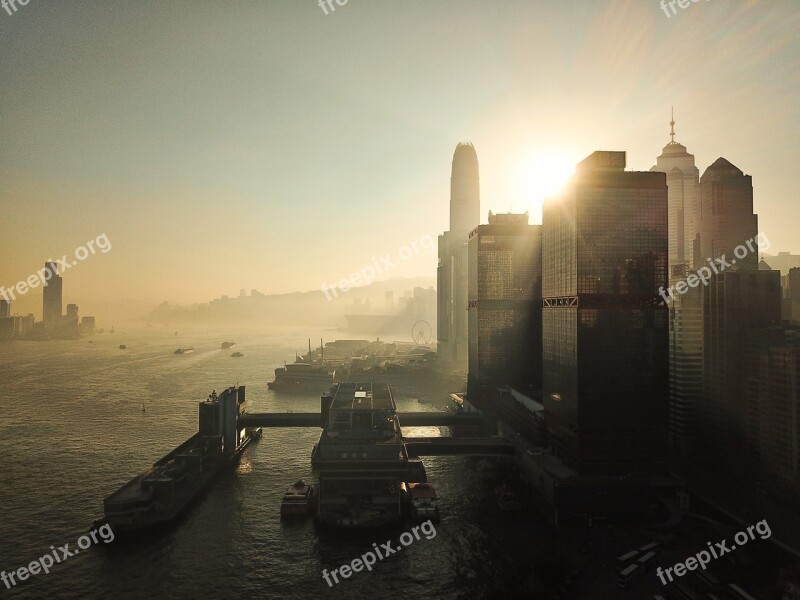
[51,298]
[604,326]
[505,303]
[465,202]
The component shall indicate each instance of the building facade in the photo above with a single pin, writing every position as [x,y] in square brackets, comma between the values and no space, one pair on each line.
[605,328]
[452,328]
[505,303]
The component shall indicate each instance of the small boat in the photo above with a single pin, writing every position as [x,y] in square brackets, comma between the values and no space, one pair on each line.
[237,355]
[297,499]
[123,347]
[507,498]
[424,504]
[226,345]
[184,350]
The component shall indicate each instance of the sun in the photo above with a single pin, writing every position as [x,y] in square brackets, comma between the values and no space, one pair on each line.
[542,174]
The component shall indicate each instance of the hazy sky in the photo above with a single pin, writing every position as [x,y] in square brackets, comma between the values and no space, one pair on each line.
[264,144]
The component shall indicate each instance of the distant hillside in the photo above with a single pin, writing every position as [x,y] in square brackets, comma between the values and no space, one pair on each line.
[297,308]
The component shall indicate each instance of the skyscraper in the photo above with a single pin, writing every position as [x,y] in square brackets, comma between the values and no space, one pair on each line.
[505,303]
[736,301]
[5,309]
[452,325]
[605,342]
[686,310]
[51,298]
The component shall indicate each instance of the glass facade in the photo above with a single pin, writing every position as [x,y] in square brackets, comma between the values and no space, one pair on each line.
[605,330]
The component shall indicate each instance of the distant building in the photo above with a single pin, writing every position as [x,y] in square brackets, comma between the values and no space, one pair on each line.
[87,325]
[791,295]
[6,328]
[783,261]
[5,309]
[505,304]
[686,310]
[51,298]
[452,328]
[605,328]
[72,312]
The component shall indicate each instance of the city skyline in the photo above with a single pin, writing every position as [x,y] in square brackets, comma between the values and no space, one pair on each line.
[128,151]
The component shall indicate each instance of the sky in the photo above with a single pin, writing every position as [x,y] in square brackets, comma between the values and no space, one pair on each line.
[264,144]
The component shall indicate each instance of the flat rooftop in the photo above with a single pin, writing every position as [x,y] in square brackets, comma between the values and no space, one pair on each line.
[363,396]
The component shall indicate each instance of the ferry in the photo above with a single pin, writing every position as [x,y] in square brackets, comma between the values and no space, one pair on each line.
[297,501]
[184,350]
[302,378]
[424,504]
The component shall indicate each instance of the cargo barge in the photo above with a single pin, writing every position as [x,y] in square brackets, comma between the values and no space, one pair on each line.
[164,492]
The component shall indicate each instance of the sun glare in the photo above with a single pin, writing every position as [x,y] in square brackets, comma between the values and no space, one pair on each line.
[541,175]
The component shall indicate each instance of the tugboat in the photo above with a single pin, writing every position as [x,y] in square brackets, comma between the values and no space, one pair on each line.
[297,500]
[507,498]
[424,505]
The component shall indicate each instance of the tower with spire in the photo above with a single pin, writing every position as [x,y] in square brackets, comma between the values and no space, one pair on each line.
[686,314]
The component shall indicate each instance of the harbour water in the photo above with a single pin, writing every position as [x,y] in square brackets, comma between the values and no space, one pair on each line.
[72,430]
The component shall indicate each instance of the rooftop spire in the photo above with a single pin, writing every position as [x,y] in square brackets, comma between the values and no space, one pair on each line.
[672,126]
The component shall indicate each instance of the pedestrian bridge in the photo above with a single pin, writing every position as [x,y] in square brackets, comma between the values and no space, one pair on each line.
[408,419]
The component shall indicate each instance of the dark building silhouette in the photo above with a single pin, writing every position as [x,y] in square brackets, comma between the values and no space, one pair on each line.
[605,338]
[51,298]
[5,309]
[465,201]
[505,303]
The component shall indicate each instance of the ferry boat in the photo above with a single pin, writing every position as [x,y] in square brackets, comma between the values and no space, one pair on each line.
[297,500]
[424,504]
[162,493]
[184,350]
[302,378]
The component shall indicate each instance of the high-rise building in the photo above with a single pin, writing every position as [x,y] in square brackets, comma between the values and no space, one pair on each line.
[505,303]
[605,328]
[72,312]
[735,303]
[772,360]
[5,309]
[51,298]
[686,310]
[452,327]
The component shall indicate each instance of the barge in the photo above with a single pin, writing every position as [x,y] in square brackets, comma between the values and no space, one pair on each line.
[165,491]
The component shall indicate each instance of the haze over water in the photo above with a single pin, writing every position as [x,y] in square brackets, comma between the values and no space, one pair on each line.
[72,431]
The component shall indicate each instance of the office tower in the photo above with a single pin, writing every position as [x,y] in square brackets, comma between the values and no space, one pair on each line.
[5,309]
[686,310]
[72,312]
[791,295]
[605,338]
[87,325]
[734,304]
[505,303]
[726,218]
[452,324]
[51,296]
[738,298]
[773,411]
